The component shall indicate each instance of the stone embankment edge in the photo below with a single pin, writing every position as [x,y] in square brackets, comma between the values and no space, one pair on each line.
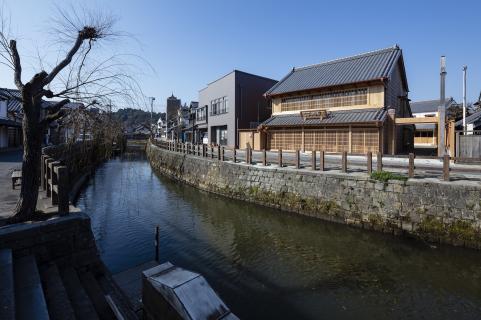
[428,209]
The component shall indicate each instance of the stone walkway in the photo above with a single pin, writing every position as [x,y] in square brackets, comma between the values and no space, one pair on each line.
[9,160]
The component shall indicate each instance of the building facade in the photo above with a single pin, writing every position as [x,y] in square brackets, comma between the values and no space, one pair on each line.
[10,118]
[347,104]
[172,113]
[233,102]
[426,135]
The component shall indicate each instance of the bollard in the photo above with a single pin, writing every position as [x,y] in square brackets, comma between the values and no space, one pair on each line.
[218,152]
[411,165]
[344,161]
[248,155]
[212,151]
[298,159]
[279,158]
[446,167]
[369,163]
[222,154]
[379,162]
[234,155]
[264,157]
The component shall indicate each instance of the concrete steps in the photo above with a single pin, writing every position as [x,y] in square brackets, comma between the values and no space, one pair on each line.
[7,295]
[29,291]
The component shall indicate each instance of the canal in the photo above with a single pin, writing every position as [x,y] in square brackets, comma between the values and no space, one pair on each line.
[265,263]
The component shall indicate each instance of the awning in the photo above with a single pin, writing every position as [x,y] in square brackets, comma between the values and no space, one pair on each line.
[346,117]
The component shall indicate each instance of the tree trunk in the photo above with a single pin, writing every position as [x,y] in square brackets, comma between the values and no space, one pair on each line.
[32,150]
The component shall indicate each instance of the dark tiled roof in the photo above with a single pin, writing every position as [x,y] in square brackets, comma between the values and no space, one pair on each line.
[9,123]
[428,105]
[360,68]
[475,117]
[334,117]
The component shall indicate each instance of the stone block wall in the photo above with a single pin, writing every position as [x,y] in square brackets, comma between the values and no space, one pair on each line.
[437,211]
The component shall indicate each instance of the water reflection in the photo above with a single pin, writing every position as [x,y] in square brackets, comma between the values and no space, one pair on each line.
[269,264]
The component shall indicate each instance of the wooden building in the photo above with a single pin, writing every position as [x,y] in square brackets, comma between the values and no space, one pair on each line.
[348,104]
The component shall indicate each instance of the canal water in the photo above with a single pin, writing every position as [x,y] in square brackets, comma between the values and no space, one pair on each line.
[268,264]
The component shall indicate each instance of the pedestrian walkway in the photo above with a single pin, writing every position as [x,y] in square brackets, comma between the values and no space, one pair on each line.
[9,161]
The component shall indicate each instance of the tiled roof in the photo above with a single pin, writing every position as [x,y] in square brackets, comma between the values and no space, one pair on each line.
[360,68]
[475,117]
[428,105]
[334,117]
[9,123]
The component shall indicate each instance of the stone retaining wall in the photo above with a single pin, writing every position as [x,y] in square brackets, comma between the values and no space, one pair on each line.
[437,211]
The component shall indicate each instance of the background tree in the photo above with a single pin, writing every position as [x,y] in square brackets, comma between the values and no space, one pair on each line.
[83,74]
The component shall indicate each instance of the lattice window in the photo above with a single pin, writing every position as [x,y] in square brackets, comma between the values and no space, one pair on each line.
[364,140]
[286,139]
[326,100]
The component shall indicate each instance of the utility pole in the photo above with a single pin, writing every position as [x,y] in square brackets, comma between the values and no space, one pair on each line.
[151,113]
[465,68]
[442,110]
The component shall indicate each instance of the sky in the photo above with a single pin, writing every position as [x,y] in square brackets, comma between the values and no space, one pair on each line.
[187,44]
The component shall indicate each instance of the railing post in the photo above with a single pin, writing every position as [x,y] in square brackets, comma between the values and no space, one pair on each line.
[248,155]
[279,158]
[62,188]
[322,165]
[264,157]
[379,162]
[313,160]
[369,162]
[218,152]
[48,176]
[234,155]
[53,182]
[298,159]
[43,172]
[212,151]
[222,154]
[344,161]
[203,150]
[446,167]
[411,165]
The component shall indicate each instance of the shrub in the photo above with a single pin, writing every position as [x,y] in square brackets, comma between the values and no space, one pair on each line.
[384,176]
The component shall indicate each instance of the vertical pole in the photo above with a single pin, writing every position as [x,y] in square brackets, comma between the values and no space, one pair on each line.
[279,158]
[379,162]
[313,160]
[62,188]
[446,167]
[157,240]
[298,159]
[369,163]
[411,165]
[218,152]
[344,161]
[234,155]
[264,157]
[442,109]
[322,166]
[212,152]
[222,154]
[42,172]
[465,68]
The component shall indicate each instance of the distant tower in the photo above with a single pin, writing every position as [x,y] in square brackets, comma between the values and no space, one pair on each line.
[173,105]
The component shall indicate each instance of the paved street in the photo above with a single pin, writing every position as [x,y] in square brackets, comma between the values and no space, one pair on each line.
[9,160]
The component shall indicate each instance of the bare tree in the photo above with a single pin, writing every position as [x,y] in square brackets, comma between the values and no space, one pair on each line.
[81,74]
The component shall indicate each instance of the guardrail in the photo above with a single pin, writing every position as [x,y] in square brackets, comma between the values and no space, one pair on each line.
[54,180]
[318,160]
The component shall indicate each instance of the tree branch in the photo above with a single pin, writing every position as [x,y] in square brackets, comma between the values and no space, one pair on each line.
[55,111]
[16,64]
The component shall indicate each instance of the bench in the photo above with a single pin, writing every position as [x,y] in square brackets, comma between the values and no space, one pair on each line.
[16,175]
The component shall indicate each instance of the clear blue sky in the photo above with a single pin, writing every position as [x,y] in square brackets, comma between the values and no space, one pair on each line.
[191,43]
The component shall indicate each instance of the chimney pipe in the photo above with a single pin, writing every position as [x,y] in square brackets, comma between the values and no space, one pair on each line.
[442,109]
[465,68]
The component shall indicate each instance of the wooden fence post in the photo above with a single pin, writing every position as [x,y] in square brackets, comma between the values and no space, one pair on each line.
[42,172]
[313,160]
[279,158]
[344,161]
[298,159]
[411,165]
[234,155]
[264,157]
[222,154]
[212,151]
[218,152]
[446,167]
[322,165]
[62,189]
[379,162]
[369,162]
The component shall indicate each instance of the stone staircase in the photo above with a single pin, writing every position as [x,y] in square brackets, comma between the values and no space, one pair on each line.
[49,291]
[32,291]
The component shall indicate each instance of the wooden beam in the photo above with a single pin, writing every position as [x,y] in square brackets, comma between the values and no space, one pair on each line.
[405,121]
